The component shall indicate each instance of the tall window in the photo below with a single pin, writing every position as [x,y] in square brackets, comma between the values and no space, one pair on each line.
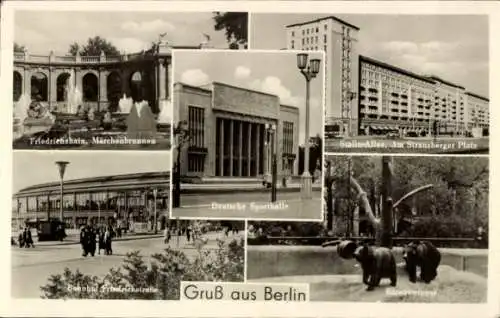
[196,124]
[287,137]
[292,45]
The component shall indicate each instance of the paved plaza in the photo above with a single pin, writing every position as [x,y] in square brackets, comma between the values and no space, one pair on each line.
[32,267]
[288,206]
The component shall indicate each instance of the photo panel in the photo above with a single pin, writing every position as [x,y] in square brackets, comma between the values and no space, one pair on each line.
[396,229]
[240,131]
[390,89]
[112,237]
[105,81]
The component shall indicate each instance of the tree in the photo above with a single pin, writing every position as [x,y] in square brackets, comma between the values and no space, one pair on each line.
[235,25]
[94,47]
[19,48]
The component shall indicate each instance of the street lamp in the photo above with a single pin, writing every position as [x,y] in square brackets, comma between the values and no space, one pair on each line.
[271,129]
[182,133]
[309,71]
[62,168]
[352,96]
[155,193]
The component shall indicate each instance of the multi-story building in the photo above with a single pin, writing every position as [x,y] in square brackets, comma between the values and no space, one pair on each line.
[449,106]
[393,99]
[477,111]
[366,96]
[338,39]
[234,130]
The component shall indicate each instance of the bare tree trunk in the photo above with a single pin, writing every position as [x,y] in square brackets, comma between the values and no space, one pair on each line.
[384,237]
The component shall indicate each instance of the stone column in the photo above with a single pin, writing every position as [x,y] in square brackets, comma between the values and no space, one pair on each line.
[27,81]
[257,148]
[221,148]
[265,154]
[103,89]
[249,145]
[240,150]
[231,138]
[52,98]
[163,88]
[169,80]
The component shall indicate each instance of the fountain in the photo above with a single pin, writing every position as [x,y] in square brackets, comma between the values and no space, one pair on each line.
[73,96]
[28,120]
[165,115]
[20,114]
[140,122]
[125,104]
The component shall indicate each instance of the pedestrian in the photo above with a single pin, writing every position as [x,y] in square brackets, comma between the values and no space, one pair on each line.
[188,233]
[226,231]
[166,235]
[100,238]
[29,238]
[20,238]
[108,240]
[83,240]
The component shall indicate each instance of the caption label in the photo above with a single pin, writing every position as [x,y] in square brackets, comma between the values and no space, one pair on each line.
[244,291]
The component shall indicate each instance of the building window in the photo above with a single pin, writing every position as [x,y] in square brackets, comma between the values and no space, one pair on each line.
[287,137]
[326,27]
[324,38]
[317,29]
[303,41]
[196,124]
[196,162]
[293,46]
[293,33]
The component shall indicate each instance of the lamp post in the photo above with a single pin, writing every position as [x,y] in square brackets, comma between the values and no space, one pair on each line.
[155,193]
[271,129]
[62,168]
[351,95]
[309,70]
[181,131]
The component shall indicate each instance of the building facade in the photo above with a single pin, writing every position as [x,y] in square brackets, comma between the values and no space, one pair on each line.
[366,96]
[126,197]
[338,39]
[101,80]
[393,99]
[233,131]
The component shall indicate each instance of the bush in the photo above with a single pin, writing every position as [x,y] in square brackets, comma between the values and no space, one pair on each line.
[160,280]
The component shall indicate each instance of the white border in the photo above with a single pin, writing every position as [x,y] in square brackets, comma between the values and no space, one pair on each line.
[301,123]
[75,308]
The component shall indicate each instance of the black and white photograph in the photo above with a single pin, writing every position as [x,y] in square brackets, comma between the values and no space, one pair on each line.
[391,88]
[103,80]
[111,238]
[396,229]
[246,123]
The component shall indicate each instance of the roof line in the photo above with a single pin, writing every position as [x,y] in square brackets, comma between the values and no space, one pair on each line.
[477,96]
[324,18]
[395,68]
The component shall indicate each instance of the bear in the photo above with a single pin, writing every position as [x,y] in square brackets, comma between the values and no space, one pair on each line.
[424,255]
[376,263]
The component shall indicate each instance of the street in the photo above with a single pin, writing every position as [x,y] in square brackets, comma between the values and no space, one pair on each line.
[32,267]
[442,145]
[251,205]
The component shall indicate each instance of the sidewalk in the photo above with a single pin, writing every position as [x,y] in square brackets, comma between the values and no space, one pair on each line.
[218,187]
[75,239]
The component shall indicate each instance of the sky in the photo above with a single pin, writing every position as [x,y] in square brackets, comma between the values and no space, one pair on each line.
[453,47]
[34,167]
[269,72]
[130,32]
